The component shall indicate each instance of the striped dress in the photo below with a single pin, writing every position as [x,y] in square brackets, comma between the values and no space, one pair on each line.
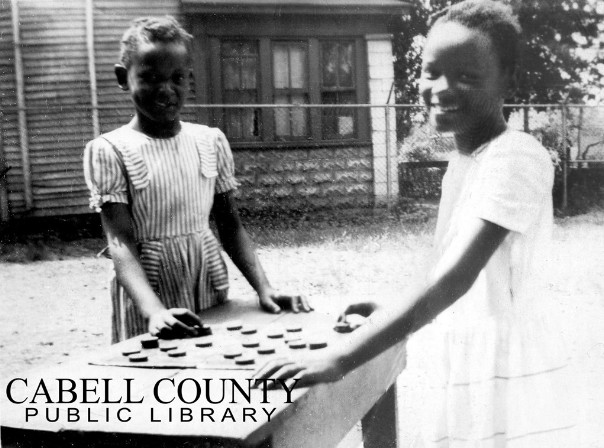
[169,185]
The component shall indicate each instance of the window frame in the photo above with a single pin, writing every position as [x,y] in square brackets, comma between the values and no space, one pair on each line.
[339,89]
[222,113]
[315,137]
[289,91]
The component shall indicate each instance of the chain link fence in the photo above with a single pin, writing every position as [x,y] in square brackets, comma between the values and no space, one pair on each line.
[301,160]
[573,135]
[307,160]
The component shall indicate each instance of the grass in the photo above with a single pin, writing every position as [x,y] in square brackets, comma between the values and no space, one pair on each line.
[63,238]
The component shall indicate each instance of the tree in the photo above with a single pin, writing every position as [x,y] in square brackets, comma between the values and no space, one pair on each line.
[554,68]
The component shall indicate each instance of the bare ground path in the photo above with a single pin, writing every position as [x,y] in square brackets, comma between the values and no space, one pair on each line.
[54,310]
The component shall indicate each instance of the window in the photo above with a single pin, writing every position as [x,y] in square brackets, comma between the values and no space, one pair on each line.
[290,72]
[239,61]
[338,87]
[290,86]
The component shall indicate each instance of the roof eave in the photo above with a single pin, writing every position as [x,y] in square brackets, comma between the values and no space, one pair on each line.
[204,7]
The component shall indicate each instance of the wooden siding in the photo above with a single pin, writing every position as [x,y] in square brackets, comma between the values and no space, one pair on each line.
[111,18]
[8,103]
[57,93]
[59,118]
[56,87]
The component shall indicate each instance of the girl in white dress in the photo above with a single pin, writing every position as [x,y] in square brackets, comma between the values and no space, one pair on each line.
[497,366]
[155,182]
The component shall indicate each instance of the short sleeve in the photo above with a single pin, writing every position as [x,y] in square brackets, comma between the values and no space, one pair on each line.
[226,166]
[104,174]
[514,184]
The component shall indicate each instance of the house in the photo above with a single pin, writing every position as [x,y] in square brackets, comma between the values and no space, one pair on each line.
[252,58]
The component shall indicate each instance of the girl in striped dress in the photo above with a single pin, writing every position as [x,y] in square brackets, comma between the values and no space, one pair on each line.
[155,182]
[495,365]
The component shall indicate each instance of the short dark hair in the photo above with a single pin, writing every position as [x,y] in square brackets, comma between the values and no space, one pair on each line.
[151,29]
[494,19]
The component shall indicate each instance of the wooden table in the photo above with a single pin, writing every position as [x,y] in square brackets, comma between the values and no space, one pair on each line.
[319,416]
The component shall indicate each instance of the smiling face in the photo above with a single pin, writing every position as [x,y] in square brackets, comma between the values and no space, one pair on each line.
[157,80]
[462,83]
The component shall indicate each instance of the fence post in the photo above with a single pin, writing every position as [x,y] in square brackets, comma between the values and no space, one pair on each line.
[565,161]
[92,67]
[525,115]
[23,134]
[388,161]
[4,205]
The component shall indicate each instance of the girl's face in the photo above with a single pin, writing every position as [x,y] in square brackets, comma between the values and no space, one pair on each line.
[462,83]
[157,80]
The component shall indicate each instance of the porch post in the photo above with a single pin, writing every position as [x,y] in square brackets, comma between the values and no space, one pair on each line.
[383,118]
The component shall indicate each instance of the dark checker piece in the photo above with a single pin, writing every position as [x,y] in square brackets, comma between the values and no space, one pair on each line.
[167,346]
[234,325]
[245,360]
[343,327]
[232,352]
[275,334]
[138,357]
[150,342]
[317,344]
[176,353]
[252,342]
[204,343]
[248,329]
[297,344]
[293,328]
[203,330]
[130,351]
[266,350]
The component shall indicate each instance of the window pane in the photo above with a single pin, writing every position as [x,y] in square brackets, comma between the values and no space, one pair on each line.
[338,122]
[280,67]
[282,125]
[233,123]
[247,48]
[230,49]
[329,57]
[242,123]
[248,73]
[297,57]
[230,74]
[239,73]
[337,64]
[345,65]
[299,116]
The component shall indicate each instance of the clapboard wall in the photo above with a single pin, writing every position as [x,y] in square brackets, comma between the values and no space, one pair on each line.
[61,53]
[57,118]
[10,155]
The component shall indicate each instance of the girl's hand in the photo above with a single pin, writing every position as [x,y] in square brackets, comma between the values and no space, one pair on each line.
[307,371]
[273,302]
[356,313]
[173,323]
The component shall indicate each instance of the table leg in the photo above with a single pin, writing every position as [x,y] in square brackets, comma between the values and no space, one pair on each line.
[379,424]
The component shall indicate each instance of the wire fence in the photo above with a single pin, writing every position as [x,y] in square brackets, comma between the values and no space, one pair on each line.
[573,135]
[293,159]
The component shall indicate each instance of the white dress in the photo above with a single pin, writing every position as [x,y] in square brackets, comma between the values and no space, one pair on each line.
[497,371]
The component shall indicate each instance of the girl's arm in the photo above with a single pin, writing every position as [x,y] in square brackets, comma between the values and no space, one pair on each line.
[117,225]
[238,245]
[391,323]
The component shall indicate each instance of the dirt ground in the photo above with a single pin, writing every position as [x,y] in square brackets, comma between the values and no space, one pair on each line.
[55,310]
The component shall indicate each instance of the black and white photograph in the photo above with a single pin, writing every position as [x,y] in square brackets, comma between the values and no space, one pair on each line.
[302,223]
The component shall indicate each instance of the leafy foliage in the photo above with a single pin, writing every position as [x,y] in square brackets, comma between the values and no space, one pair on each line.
[559,61]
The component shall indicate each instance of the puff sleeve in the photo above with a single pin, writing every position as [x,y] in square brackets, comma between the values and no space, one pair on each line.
[104,174]
[514,184]
[226,166]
